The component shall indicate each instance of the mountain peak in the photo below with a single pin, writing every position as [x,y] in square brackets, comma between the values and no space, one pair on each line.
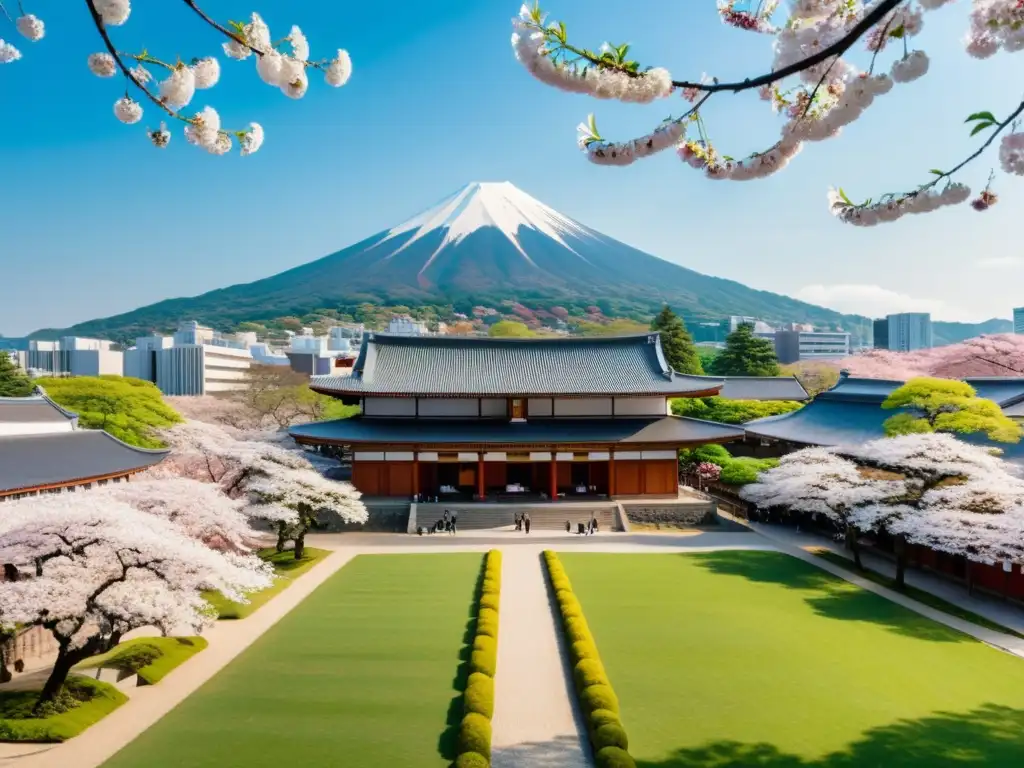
[497,204]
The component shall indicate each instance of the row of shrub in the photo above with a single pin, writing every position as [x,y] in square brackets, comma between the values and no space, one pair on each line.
[736,470]
[597,700]
[474,743]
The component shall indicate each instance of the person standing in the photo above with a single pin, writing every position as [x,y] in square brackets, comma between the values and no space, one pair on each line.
[526,521]
[455,518]
[519,522]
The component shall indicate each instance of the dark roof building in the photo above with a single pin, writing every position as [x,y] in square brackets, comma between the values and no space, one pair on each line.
[42,449]
[553,417]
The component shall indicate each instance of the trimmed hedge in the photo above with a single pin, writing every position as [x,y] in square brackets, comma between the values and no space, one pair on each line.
[474,742]
[598,701]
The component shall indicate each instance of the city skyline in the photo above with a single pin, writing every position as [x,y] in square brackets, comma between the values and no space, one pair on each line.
[341,165]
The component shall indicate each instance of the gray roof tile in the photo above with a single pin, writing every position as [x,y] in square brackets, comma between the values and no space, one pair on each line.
[31,461]
[668,429]
[763,388]
[35,409]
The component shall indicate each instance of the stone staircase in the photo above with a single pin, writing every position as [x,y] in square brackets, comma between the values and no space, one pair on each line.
[543,517]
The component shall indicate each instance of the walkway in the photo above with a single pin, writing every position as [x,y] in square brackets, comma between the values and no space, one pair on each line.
[148,704]
[535,720]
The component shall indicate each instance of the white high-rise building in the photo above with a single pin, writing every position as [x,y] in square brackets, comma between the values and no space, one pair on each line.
[909,331]
[140,360]
[74,356]
[1018,320]
[200,369]
[403,325]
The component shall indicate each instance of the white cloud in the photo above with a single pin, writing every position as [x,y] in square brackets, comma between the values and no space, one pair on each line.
[999,262]
[876,301]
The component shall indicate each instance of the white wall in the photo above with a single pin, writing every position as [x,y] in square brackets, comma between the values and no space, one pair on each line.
[641,406]
[584,406]
[389,406]
[491,407]
[540,406]
[455,407]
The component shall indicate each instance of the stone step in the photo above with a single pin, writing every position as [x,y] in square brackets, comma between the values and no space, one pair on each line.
[545,518]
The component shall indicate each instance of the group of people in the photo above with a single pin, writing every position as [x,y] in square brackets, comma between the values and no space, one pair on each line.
[447,524]
[523,521]
[583,529]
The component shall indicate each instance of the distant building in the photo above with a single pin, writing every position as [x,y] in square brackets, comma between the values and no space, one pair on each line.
[262,354]
[881,329]
[735,321]
[403,325]
[343,338]
[140,360]
[795,346]
[200,369]
[909,331]
[1018,320]
[74,356]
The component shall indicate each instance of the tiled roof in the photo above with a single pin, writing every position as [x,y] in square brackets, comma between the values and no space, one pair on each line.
[763,388]
[1005,390]
[52,459]
[668,429]
[35,409]
[460,365]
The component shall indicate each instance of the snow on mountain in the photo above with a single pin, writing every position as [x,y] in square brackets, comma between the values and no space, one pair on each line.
[501,205]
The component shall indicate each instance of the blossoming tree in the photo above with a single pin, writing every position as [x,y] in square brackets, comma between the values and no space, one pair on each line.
[812,82]
[283,64]
[993,355]
[98,568]
[927,489]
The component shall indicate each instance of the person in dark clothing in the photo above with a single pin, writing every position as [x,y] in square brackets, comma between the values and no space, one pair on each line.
[568,527]
[447,516]
[519,522]
[593,526]
[454,521]
[581,529]
[526,521]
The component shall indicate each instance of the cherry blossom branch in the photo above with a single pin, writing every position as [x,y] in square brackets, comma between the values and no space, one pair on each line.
[222,29]
[975,155]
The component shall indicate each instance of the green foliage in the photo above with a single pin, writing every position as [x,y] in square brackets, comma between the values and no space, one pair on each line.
[743,470]
[599,717]
[589,672]
[129,409]
[286,570]
[610,735]
[613,757]
[510,329]
[945,405]
[475,735]
[707,356]
[599,697]
[152,658]
[713,453]
[14,382]
[680,351]
[471,760]
[731,411]
[479,695]
[85,702]
[615,327]
[815,376]
[746,355]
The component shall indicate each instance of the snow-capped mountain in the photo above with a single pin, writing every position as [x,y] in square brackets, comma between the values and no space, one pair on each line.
[488,242]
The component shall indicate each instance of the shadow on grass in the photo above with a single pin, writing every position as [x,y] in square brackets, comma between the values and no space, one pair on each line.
[829,596]
[990,736]
[447,743]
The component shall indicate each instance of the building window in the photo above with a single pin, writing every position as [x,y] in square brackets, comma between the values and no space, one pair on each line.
[518,409]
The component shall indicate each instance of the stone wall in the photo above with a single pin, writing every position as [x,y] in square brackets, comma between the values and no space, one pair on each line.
[390,517]
[682,515]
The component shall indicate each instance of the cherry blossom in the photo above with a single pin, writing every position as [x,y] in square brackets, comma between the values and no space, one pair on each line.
[282,63]
[97,568]
[813,81]
[992,355]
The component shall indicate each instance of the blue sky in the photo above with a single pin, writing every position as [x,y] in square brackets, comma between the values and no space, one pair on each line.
[94,221]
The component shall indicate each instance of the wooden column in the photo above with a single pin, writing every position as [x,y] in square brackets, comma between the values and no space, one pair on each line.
[611,473]
[415,474]
[554,477]
[480,475]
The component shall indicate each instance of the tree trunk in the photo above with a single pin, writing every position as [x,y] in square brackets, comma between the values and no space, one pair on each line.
[300,544]
[282,536]
[5,673]
[11,572]
[66,659]
[851,543]
[112,641]
[901,561]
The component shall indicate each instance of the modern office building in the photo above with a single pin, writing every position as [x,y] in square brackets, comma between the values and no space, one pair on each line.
[909,331]
[792,346]
[200,369]
[881,333]
[74,356]
[1018,320]
[140,360]
[313,356]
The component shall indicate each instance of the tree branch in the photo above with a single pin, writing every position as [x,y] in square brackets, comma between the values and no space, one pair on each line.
[992,137]
[223,30]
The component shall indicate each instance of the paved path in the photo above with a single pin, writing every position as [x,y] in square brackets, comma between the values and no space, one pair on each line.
[535,719]
[148,704]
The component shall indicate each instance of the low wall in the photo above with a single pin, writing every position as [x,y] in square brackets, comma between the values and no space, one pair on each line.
[690,515]
[383,517]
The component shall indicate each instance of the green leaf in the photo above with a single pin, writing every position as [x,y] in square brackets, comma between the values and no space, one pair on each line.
[982,116]
[981,127]
[561,32]
[898,32]
[846,200]
[937,172]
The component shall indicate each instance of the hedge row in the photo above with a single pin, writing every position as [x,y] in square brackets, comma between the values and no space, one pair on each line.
[474,744]
[597,699]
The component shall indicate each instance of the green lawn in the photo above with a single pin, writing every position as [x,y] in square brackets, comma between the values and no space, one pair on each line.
[153,658]
[97,701]
[287,569]
[364,673]
[743,658]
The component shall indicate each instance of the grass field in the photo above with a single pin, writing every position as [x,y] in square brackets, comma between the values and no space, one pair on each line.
[362,674]
[97,701]
[152,658]
[286,569]
[743,658]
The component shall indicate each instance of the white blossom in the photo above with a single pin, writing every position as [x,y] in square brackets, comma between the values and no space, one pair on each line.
[910,67]
[102,64]
[113,12]
[299,43]
[161,137]
[339,70]
[178,89]
[8,52]
[206,72]
[257,34]
[204,128]
[294,81]
[1011,153]
[236,50]
[141,74]
[252,139]
[31,27]
[269,66]
[127,110]
[221,145]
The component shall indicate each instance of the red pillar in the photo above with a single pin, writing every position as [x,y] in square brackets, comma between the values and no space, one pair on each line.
[611,473]
[554,477]
[480,475]
[415,474]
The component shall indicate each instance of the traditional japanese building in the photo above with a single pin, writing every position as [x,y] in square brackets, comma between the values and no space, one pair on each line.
[42,450]
[511,419]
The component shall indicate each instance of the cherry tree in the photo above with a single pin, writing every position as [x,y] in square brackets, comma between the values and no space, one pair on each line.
[816,481]
[199,509]
[812,83]
[992,355]
[99,568]
[284,64]
[928,489]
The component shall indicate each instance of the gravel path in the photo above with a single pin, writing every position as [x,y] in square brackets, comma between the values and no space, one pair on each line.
[535,718]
